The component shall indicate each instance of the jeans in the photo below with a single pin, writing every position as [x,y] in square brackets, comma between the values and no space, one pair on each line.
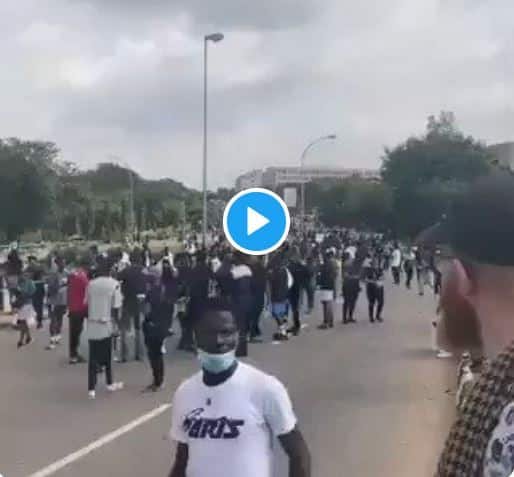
[100,354]
[396,275]
[375,294]
[56,317]
[409,272]
[351,290]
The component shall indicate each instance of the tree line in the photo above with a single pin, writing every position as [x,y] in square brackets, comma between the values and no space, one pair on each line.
[40,192]
[420,178]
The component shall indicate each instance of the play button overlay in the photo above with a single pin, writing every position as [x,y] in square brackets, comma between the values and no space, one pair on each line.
[256,221]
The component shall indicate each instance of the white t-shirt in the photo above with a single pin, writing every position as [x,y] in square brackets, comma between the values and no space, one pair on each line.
[499,456]
[230,428]
[102,295]
[396,259]
[351,251]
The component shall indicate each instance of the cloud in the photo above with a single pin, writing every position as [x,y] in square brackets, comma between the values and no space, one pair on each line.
[126,78]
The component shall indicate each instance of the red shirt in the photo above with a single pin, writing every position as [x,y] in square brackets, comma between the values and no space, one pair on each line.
[77,285]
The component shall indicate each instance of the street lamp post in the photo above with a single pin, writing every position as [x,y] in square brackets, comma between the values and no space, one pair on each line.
[215,38]
[330,137]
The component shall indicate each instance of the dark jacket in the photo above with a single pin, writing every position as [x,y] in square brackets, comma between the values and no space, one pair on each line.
[328,275]
[133,282]
[157,317]
[279,290]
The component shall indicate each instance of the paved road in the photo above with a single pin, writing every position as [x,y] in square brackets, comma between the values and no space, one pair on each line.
[370,398]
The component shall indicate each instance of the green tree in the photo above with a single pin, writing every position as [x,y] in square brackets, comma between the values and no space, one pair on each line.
[26,180]
[424,173]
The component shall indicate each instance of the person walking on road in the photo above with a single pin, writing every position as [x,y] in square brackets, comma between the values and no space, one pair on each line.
[421,269]
[374,277]
[57,300]
[327,283]
[279,278]
[133,288]
[226,417]
[155,329]
[199,279]
[77,308]
[242,300]
[25,311]
[104,300]
[396,263]
[351,289]
[408,267]
[38,300]
[300,274]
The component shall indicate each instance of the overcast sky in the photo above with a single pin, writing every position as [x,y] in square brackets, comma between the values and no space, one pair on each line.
[124,77]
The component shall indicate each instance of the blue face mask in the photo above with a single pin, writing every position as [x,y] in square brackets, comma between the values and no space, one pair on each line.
[216,363]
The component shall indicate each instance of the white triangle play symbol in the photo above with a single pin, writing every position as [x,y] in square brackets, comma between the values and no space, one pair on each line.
[254,221]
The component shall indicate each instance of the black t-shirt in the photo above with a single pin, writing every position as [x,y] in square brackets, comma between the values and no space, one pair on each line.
[133,281]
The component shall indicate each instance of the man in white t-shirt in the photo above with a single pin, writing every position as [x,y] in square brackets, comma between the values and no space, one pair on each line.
[396,263]
[227,416]
[103,296]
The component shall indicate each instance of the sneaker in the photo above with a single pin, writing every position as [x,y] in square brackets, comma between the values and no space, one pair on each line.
[442,354]
[380,320]
[323,326]
[29,341]
[19,345]
[57,339]
[91,394]
[77,359]
[115,387]
[50,346]
[280,337]
[293,331]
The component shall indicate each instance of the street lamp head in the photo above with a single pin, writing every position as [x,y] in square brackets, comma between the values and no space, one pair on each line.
[214,37]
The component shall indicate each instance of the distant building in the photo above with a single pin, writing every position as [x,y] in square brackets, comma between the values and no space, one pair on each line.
[274,177]
[504,154]
[250,179]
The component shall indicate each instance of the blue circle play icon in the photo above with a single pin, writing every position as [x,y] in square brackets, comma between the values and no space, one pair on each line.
[256,221]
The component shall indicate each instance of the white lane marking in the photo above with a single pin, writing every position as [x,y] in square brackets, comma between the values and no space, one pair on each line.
[74,456]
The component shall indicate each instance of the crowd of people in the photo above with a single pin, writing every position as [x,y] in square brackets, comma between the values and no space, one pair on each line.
[137,295]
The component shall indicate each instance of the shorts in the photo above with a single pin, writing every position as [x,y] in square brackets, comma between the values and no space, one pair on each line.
[280,310]
[326,295]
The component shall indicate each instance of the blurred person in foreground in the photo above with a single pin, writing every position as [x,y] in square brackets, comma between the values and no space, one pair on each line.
[477,301]
[226,417]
